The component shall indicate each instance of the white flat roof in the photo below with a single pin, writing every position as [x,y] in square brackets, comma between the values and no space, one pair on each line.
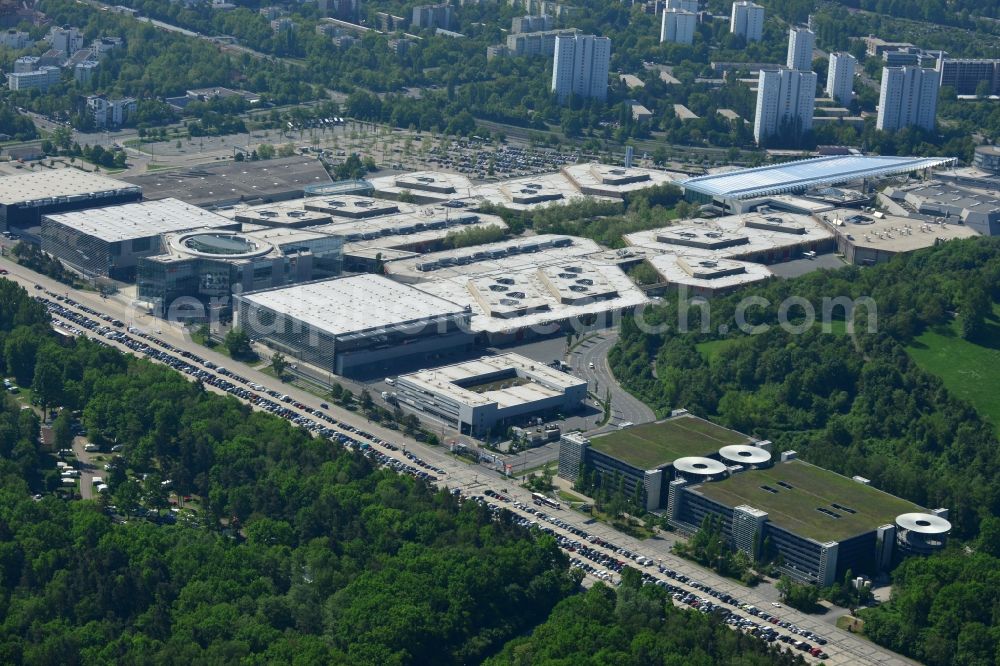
[684,113]
[524,192]
[792,230]
[509,255]
[893,233]
[800,174]
[441,185]
[394,241]
[356,304]
[800,204]
[291,212]
[543,306]
[545,382]
[408,227]
[632,81]
[55,183]
[708,273]
[139,220]
[615,181]
[352,205]
[529,192]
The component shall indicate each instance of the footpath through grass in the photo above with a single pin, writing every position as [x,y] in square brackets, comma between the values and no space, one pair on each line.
[970,370]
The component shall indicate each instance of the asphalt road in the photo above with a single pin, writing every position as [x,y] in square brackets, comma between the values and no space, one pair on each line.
[844,648]
[625,408]
[88,469]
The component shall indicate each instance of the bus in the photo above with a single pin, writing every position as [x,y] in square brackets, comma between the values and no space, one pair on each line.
[542,500]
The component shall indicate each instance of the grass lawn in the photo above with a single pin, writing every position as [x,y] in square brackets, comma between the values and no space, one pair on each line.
[970,370]
[537,469]
[654,444]
[291,380]
[853,624]
[711,350]
[198,337]
[629,526]
[567,496]
[24,396]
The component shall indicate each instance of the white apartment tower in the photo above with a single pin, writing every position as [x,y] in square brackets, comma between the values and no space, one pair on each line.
[747,20]
[840,77]
[784,97]
[580,66]
[686,5]
[66,40]
[800,49]
[678,26]
[909,97]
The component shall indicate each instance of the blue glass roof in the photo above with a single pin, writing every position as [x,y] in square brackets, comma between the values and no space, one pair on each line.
[801,174]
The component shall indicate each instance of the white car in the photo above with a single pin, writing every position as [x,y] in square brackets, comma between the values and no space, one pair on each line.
[591,365]
[776,604]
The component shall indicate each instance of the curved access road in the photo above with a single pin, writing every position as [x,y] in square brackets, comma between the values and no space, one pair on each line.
[625,407]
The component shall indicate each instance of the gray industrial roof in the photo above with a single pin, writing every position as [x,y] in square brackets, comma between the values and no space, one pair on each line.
[140,220]
[232,182]
[798,175]
[56,184]
[355,305]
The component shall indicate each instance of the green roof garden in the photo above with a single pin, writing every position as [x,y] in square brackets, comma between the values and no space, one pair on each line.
[794,492]
[653,445]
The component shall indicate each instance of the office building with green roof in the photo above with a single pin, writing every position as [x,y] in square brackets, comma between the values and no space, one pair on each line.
[815,523]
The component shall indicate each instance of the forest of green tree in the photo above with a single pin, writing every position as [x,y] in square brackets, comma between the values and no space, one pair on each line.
[337,561]
[857,405]
[636,624]
[944,608]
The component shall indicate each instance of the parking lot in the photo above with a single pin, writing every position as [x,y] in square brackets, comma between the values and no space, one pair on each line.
[476,160]
[602,559]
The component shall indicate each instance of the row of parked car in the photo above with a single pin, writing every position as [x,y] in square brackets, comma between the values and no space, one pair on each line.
[504,161]
[584,555]
[270,400]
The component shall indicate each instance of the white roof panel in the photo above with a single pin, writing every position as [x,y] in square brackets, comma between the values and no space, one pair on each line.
[356,304]
[140,220]
[55,183]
